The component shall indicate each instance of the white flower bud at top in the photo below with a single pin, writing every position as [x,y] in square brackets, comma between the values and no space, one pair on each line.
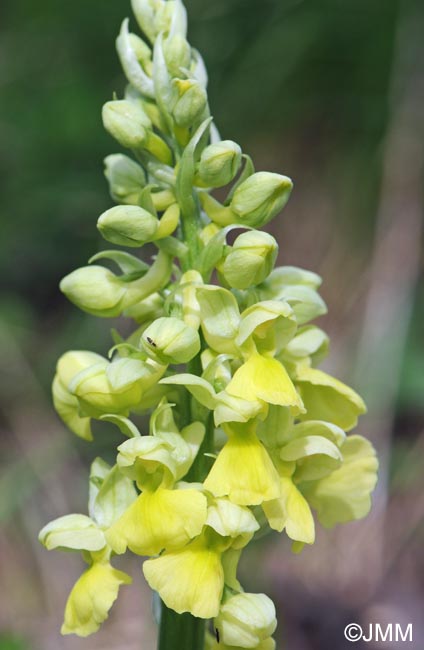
[170,340]
[126,122]
[145,13]
[245,620]
[94,289]
[191,102]
[177,54]
[126,178]
[155,16]
[219,163]
[260,198]
[250,260]
[127,225]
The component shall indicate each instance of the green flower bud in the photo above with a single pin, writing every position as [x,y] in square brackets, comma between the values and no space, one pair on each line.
[170,340]
[126,178]
[126,122]
[94,289]
[219,163]
[177,54]
[251,259]
[260,198]
[127,225]
[245,620]
[191,103]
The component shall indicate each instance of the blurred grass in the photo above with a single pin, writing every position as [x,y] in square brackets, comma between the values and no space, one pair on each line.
[306,87]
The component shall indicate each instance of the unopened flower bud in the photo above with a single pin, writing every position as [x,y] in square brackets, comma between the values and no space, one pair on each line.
[127,225]
[126,178]
[94,289]
[177,54]
[219,163]
[155,16]
[126,122]
[191,102]
[260,198]
[245,620]
[251,259]
[170,340]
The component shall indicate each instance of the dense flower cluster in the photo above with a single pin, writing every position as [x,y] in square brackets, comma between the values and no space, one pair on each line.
[241,420]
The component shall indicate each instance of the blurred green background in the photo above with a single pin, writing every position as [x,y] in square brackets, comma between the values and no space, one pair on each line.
[329,92]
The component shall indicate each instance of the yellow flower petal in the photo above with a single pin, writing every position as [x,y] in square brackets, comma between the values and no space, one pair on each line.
[291,511]
[91,599]
[244,471]
[157,520]
[266,379]
[188,580]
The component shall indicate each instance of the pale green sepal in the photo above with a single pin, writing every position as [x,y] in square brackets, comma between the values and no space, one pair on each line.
[308,445]
[327,398]
[345,494]
[270,321]
[310,341]
[276,430]
[132,68]
[122,373]
[149,460]
[219,317]
[319,428]
[285,276]
[115,495]
[306,302]
[231,520]
[236,409]
[125,425]
[72,532]
[201,390]
[91,598]
[67,407]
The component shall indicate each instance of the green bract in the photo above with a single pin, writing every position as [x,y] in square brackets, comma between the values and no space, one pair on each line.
[247,434]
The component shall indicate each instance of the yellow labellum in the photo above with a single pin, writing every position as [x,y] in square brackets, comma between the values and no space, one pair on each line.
[158,520]
[244,471]
[91,599]
[188,580]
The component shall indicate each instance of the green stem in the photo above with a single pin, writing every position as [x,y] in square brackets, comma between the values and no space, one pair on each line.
[182,631]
